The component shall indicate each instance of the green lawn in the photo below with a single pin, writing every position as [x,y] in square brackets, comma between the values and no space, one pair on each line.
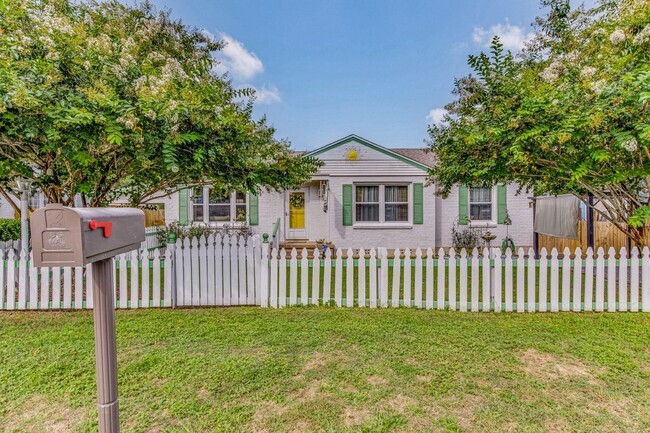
[327,369]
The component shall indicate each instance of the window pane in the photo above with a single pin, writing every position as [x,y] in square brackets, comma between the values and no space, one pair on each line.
[367,194]
[241,213]
[198,195]
[368,212]
[219,212]
[240,197]
[399,194]
[397,212]
[480,212]
[198,212]
[483,195]
[219,198]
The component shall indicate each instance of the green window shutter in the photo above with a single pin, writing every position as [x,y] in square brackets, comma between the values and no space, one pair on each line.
[183,206]
[347,205]
[502,203]
[463,203]
[253,209]
[418,203]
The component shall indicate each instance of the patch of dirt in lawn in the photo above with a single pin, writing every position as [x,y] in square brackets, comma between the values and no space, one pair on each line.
[317,361]
[355,416]
[545,366]
[39,414]
[377,380]
[401,403]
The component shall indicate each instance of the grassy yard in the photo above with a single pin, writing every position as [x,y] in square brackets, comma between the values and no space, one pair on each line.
[326,369]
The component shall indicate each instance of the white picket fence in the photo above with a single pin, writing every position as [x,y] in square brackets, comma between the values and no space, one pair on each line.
[231,270]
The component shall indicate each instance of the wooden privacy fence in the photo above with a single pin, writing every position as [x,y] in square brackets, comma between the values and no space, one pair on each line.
[238,270]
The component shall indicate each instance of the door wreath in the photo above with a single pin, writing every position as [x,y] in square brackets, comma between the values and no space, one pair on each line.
[297,200]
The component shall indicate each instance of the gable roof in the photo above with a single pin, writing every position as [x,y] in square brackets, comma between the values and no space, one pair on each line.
[420,158]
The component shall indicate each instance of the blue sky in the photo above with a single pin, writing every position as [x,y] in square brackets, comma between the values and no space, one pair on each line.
[378,68]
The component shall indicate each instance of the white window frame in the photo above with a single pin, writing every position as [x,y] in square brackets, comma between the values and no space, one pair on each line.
[492,222]
[382,223]
[206,208]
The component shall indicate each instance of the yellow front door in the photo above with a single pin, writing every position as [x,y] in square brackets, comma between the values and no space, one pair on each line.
[297,210]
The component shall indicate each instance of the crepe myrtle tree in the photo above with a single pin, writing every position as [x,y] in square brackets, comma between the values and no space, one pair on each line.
[100,99]
[570,115]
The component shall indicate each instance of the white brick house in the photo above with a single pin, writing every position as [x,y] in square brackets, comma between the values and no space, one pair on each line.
[365,195]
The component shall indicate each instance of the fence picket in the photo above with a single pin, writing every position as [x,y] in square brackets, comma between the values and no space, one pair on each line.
[407,278]
[463,280]
[555,277]
[487,277]
[11,280]
[89,286]
[600,280]
[508,285]
[645,278]
[219,270]
[611,280]
[315,278]
[475,279]
[589,280]
[361,278]
[383,281]
[338,278]
[257,258]
[429,279]
[622,280]
[577,280]
[234,283]
[441,286]
[397,284]
[282,278]
[188,275]
[45,287]
[2,279]
[372,286]
[179,271]
[249,282]
[543,280]
[566,279]
[264,276]
[33,284]
[634,280]
[521,281]
[56,288]
[532,281]
[145,289]
[135,284]
[293,277]
[497,282]
[304,277]
[78,286]
[349,279]
[225,269]
[211,263]
[155,278]
[452,279]
[418,278]
[241,265]
[22,280]
[123,282]
[169,276]
[203,271]
[274,278]
[327,277]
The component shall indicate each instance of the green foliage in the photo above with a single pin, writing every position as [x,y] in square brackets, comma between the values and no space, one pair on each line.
[570,116]
[9,229]
[104,99]
[465,237]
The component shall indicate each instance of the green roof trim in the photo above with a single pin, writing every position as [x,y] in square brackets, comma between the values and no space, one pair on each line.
[369,144]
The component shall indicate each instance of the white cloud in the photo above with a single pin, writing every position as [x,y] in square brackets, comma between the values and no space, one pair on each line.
[437,116]
[235,59]
[267,95]
[512,37]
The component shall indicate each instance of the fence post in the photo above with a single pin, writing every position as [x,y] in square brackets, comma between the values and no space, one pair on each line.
[264,279]
[171,250]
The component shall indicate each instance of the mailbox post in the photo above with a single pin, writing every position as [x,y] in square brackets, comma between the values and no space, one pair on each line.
[63,236]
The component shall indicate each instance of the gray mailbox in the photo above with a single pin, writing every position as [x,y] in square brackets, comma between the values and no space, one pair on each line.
[63,236]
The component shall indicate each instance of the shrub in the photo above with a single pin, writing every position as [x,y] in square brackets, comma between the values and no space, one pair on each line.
[465,237]
[9,230]
[181,232]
